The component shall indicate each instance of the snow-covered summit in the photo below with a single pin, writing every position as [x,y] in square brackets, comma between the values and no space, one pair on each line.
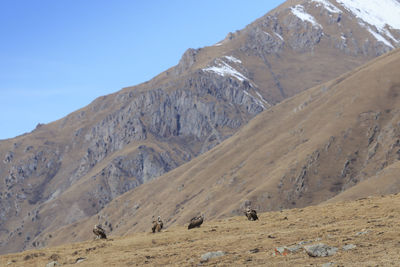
[381,14]
[378,13]
[378,17]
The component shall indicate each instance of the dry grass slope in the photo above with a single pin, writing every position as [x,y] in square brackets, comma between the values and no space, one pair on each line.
[371,224]
[342,135]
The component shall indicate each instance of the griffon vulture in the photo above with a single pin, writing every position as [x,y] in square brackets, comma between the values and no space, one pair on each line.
[196,221]
[251,214]
[99,232]
[157,225]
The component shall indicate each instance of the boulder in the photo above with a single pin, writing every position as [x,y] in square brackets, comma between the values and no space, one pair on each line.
[52,264]
[348,247]
[320,250]
[210,255]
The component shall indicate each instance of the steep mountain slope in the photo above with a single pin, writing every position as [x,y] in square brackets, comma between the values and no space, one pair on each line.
[364,232]
[301,152]
[71,169]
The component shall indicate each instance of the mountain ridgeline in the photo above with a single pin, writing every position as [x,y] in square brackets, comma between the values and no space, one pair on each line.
[73,171]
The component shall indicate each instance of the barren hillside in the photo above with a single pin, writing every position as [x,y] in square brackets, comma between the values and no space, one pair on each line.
[359,233]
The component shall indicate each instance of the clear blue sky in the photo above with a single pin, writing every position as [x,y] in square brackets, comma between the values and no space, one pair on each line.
[57,56]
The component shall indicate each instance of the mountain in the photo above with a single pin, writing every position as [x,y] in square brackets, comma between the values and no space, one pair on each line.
[72,169]
[336,141]
[362,233]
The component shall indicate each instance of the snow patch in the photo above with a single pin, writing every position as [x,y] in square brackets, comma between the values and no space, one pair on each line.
[388,34]
[233,59]
[267,33]
[223,69]
[260,101]
[299,12]
[329,6]
[380,38]
[279,36]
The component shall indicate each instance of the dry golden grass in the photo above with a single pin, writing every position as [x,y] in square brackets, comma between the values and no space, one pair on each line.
[370,223]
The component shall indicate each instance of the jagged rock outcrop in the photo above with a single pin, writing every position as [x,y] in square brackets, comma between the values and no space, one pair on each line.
[187,60]
[259,41]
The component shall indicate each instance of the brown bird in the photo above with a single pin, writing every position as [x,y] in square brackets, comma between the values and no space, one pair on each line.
[251,214]
[196,221]
[99,232]
[157,225]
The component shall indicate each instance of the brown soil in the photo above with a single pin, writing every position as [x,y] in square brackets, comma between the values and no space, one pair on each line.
[371,224]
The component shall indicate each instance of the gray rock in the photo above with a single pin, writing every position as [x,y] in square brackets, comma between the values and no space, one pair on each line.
[328,264]
[254,250]
[294,249]
[304,36]
[348,247]
[187,60]
[305,242]
[287,250]
[183,114]
[8,157]
[80,259]
[281,251]
[362,232]
[259,42]
[210,255]
[320,250]
[53,264]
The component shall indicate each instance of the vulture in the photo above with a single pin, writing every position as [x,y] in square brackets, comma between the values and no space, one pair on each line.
[157,225]
[196,221]
[251,214]
[99,232]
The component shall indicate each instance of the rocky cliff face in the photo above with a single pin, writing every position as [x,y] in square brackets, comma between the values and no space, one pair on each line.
[205,109]
[123,140]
